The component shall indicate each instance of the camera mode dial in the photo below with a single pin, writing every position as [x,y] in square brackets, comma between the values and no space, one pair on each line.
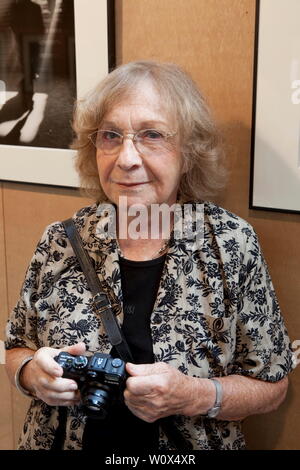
[80,362]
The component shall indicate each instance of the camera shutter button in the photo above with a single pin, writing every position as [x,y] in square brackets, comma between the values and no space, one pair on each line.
[117,363]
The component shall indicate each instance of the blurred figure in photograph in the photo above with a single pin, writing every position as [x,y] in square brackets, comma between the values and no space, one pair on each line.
[38,67]
[27,26]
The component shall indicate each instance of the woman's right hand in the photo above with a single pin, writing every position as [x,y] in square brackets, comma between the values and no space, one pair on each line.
[42,376]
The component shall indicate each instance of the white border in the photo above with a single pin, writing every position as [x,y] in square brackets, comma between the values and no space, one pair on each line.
[55,166]
[276,175]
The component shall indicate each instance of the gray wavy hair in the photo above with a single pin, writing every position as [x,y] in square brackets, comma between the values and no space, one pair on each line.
[200,140]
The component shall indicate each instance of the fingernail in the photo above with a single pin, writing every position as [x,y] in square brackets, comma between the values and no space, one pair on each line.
[73,387]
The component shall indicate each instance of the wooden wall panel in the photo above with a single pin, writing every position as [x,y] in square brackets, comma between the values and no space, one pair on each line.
[6,426]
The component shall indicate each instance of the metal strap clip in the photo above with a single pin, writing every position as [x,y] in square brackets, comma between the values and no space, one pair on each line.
[101,302]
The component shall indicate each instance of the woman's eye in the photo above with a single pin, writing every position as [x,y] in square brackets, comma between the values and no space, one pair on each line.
[109,135]
[151,134]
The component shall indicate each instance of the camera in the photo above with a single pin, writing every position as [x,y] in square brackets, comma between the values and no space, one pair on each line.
[100,378]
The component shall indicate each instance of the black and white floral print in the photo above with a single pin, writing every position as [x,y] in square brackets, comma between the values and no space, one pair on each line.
[215,314]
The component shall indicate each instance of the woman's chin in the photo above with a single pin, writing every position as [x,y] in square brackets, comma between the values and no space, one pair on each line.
[127,200]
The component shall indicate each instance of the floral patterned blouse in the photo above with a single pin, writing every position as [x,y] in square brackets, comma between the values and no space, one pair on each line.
[215,314]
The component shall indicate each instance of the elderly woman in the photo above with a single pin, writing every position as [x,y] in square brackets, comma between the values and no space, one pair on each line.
[200,316]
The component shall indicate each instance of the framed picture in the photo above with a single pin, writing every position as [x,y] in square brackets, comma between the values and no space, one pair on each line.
[52,52]
[275,159]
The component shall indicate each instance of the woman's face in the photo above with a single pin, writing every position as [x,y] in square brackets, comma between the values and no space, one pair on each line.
[144,178]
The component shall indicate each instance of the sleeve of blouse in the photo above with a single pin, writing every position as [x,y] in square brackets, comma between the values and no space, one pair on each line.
[263,348]
[21,328]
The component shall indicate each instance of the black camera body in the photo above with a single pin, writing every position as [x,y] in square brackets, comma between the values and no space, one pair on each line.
[100,378]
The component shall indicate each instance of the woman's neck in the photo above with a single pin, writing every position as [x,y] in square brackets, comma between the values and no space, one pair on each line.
[145,236]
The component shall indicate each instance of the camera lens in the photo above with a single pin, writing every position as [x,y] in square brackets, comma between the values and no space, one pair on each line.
[96,400]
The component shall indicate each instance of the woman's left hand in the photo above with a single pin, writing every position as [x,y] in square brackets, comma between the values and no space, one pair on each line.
[158,390]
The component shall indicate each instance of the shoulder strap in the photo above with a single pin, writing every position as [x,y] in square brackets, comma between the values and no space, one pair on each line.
[101,302]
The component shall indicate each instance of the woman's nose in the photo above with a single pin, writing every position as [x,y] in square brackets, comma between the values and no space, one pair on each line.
[128,155]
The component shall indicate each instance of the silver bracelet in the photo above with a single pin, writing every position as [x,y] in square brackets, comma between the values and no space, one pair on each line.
[17,378]
[215,410]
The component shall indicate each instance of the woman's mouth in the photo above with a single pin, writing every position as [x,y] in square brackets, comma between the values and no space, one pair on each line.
[132,184]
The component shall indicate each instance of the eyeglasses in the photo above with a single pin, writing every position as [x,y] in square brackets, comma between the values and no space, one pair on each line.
[146,141]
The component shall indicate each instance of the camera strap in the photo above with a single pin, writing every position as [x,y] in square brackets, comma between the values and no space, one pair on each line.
[103,307]
[101,303]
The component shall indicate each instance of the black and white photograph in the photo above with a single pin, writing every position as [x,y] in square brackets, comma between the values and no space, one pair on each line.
[47,62]
[37,66]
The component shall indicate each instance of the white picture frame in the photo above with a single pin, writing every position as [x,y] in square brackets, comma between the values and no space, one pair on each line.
[51,166]
[275,164]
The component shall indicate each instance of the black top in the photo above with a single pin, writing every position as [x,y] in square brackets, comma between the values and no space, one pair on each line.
[121,429]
